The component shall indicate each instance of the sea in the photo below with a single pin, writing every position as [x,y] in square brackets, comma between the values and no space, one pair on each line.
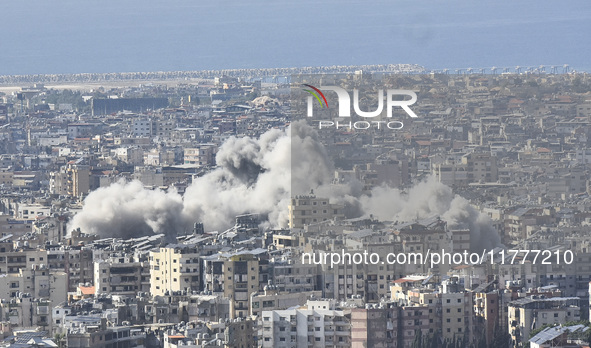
[92,36]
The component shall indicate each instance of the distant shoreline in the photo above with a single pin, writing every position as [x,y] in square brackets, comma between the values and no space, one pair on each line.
[102,78]
[88,81]
[87,86]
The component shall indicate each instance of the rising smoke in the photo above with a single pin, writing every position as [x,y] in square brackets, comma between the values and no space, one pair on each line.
[252,176]
[427,199]
[258,176]
[128,210]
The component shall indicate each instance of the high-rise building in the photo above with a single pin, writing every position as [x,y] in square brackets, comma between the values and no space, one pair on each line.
[175,267]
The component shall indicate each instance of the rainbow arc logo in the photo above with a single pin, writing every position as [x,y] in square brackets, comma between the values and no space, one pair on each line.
[317,94]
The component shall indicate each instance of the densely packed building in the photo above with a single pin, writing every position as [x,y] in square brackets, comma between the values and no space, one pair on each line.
[513,146]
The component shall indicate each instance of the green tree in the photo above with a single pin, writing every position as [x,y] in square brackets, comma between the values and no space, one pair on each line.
[500,338]
[481,342]
[59,340]
[587,336]
[435,340]
[418,341]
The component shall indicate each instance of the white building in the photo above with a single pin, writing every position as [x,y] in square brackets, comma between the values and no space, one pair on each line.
[311,326]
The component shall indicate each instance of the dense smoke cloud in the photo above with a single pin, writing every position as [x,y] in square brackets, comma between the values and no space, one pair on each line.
[253,176]
[127,210]
[427,199]
[311,165]
[258,176]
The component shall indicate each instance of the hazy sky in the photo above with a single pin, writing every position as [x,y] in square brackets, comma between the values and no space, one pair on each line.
[70,36]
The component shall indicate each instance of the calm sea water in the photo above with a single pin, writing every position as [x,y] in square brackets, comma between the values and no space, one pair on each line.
[72,36]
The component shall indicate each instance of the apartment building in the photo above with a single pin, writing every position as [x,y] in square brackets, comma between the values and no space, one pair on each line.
[78,264]
[37,281]
[318,324]
[376,326]
[26,311]
[72,179]
[481,167]
[118,275]
[175,267]
[305,210]
[529,313]
[272,299]
[204,155]
[241,273]
[15,227]
[294,277]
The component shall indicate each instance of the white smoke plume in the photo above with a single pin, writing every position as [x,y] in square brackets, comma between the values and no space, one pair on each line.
[253,176]
[127,210]
[259,176]
[431,198]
